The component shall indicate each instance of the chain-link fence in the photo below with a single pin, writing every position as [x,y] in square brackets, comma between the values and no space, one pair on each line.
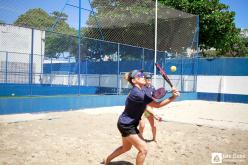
[86,47]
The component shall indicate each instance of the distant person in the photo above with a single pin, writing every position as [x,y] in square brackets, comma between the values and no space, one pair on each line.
[149,113]
[136,103]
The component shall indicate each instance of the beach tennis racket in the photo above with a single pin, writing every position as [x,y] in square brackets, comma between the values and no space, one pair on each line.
[159,93]
[163,73]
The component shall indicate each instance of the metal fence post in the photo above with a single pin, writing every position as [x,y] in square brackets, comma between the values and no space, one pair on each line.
[118,70]
[193,65]
[51,71]
[222,94]
[6,68]
[143,58]
[79,46]
[182,83]
[31,62]
[86,72]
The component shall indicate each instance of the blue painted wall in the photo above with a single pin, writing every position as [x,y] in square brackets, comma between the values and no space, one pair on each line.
[13,105]
[46,90]
[56,103]
[222,97]
[213,66]
[223,66]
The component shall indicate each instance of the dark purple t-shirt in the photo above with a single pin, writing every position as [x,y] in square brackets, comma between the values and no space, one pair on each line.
[149,90]
[135,106]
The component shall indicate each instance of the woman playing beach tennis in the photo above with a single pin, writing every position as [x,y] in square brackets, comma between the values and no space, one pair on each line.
[149,113]
[128,121]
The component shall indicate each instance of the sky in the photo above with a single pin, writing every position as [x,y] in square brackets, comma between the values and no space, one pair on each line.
[11,9]
[240,7]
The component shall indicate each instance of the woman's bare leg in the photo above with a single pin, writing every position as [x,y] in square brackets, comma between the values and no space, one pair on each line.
[140,145]
[126,146]
[153,127]
[142,126]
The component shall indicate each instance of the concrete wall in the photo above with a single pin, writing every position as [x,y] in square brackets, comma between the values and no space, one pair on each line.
[15,47]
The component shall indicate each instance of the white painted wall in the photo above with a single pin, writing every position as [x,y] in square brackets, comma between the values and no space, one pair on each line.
[236,84]
[223,84]
[17,42]
[205,84]
[110,80]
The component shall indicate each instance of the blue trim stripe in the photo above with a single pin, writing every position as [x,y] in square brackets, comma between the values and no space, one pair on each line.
[223,97]
[214,66]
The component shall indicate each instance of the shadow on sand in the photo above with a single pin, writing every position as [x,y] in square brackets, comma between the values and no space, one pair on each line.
[119,163]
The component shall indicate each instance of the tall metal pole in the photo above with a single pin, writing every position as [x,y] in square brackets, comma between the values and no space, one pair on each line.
[118,71]
[155,41]
[79,49]
[196,61]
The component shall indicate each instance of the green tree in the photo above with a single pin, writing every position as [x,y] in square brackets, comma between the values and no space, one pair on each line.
[63,39]
[2,22]
[34,18]
[217,27]
[240,48]
[59,24]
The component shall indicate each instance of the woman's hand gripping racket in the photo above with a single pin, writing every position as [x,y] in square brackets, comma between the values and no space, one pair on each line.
[163,73]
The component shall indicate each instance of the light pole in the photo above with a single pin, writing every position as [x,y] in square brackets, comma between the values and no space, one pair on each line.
[155,41]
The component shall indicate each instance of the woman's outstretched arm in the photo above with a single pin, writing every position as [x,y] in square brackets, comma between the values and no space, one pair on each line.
[175,94]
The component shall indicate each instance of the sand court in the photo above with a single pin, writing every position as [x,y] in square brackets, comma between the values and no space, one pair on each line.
[193,131]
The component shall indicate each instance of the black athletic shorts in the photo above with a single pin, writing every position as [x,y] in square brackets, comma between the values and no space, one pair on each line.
[127,129]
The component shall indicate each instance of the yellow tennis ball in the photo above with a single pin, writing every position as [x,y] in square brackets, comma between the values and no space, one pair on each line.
[173,68]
